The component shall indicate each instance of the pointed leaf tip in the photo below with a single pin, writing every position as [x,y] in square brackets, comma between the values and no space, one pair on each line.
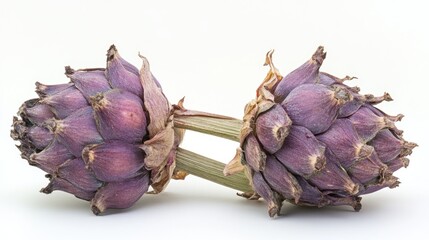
[319,55]
[111,52]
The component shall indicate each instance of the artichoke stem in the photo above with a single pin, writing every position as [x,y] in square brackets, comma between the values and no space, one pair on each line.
[216,125]
[210,169]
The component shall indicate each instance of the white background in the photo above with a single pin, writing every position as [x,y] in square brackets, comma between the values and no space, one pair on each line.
[212,52]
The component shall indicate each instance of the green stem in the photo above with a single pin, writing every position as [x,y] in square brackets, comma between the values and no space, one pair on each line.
[210,169]
[221,126]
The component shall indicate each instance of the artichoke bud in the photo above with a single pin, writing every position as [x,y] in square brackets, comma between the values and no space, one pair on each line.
[334,144]
[90,135]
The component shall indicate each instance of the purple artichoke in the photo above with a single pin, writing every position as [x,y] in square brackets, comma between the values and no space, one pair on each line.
[310,139]
[105,136]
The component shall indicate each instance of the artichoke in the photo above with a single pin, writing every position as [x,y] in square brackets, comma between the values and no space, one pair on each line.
[310,139]
[105,136]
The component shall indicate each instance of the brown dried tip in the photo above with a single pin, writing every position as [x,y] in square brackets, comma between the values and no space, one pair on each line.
[111,52]
[319,55]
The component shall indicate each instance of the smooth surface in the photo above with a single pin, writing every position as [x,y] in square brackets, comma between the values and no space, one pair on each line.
[212,52]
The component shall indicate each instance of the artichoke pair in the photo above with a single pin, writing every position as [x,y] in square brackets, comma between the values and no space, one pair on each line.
[308,138]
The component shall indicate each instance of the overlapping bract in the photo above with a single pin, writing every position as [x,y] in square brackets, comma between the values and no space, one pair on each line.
[312,140]
[105,136]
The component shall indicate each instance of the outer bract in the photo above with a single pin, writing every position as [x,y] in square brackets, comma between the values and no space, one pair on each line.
[325,146]
[105,136]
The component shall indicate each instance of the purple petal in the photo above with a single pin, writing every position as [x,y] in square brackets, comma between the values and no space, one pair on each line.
[65,102]
[272,127]
[120,116]
[119,195]
[51,157]
[119,76]
[302,153]
[89,82]
[75,172]
[344,142]
[311,195]
[47,90]
[281,180]
[387,145]
[253,154]
[367,124]
[314,106]
[40,137]
[392,182]
[351,106]
[76,131]
[65,186]
[398,163]
[114,161]
[369,170]
[333,178]
[306,73]
[264,190]
[35,112]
